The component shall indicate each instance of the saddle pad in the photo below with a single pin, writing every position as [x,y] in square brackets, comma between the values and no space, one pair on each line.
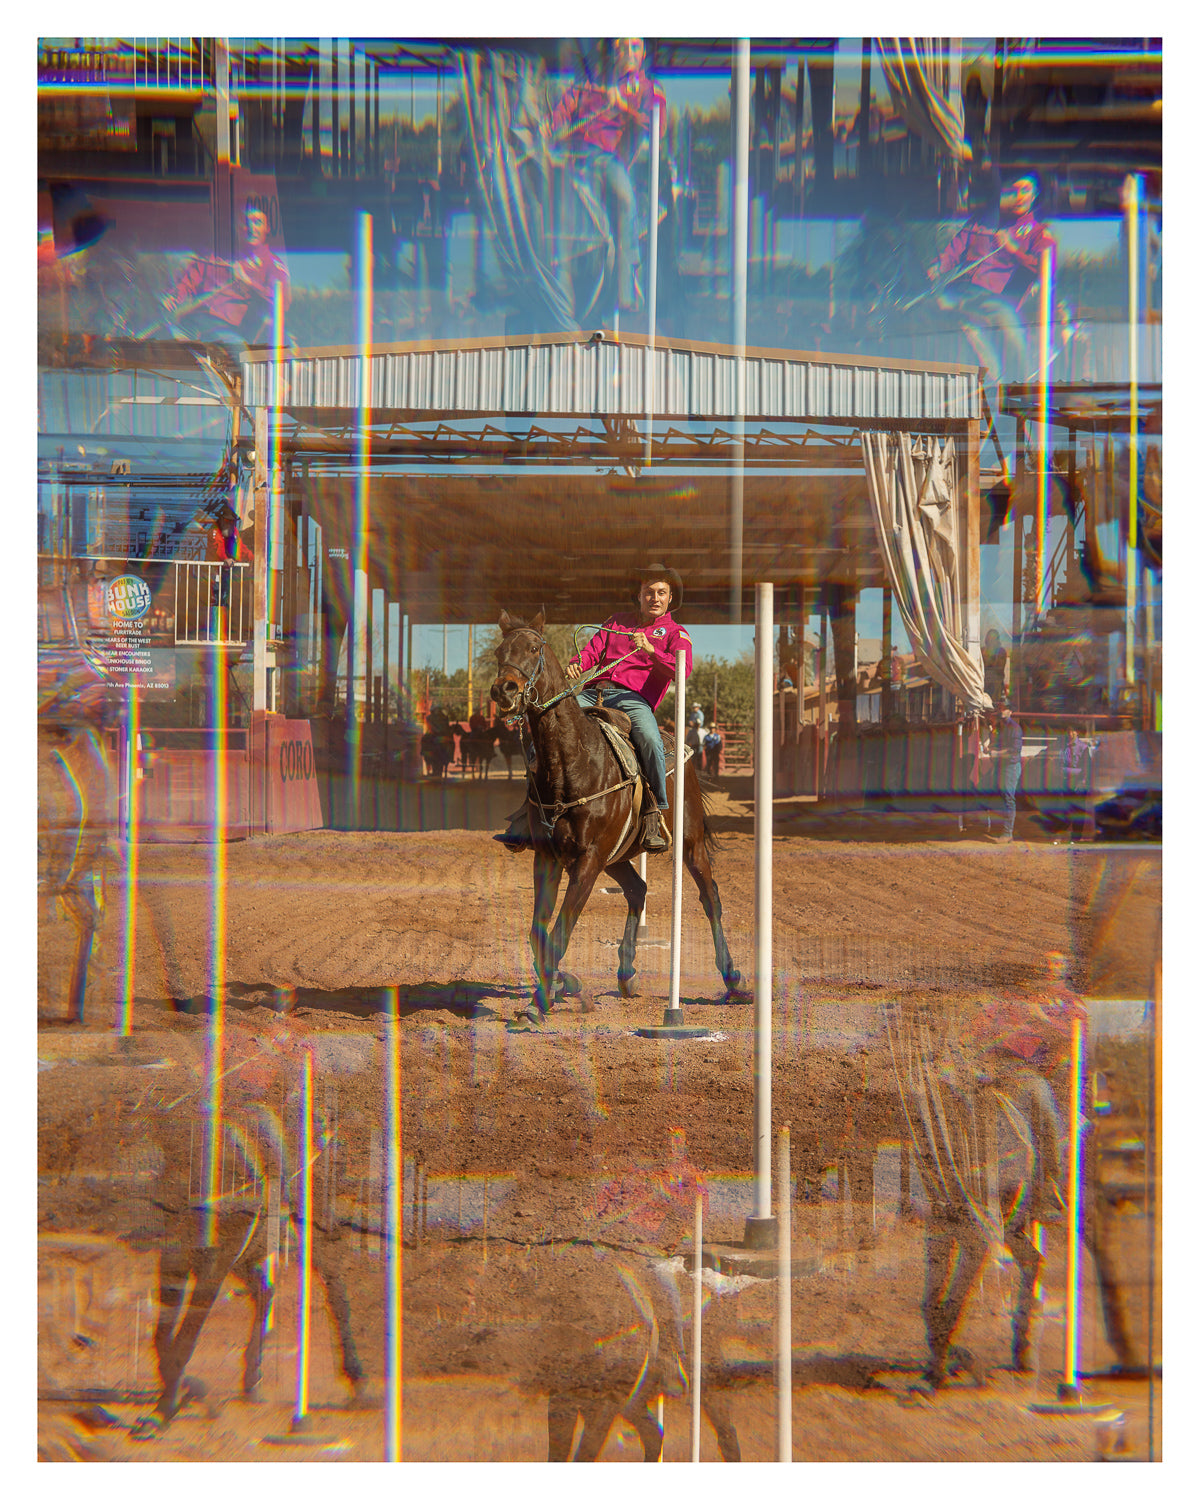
[627,755]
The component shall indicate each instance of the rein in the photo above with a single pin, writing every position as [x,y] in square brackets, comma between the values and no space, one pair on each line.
[529,700]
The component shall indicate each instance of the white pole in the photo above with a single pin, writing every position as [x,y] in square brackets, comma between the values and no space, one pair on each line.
[697,1310]
[783,1417]
[393,1232]
[673,1013]
[1074,1211]
[652,289]
[300,1419]
[764,640]
[642,873]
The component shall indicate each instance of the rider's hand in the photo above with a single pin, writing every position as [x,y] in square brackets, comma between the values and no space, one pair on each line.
[573,671]
[640,641]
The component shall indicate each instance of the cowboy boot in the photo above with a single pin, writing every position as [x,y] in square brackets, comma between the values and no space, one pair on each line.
[652,839]
[516,837]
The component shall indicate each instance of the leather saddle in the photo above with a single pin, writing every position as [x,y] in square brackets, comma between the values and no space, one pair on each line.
[616,726]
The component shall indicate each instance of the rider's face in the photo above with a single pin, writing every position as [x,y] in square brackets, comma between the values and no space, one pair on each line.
[258,226]
[631,54]
[1021,196]
[654,599]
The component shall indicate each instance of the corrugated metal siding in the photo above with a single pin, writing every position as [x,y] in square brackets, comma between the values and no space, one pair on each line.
[576,379]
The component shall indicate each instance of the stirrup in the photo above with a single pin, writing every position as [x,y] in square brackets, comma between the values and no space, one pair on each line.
[652,834]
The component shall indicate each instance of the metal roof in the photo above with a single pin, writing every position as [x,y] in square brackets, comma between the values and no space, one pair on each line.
[583,375]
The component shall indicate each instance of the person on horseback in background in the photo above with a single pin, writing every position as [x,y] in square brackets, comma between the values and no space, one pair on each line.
[995,273]
[604,126]
[635,686]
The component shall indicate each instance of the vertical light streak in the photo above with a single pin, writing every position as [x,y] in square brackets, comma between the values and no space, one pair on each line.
[214,1050]
[1042,585]
[697,1315]
[783,1397]
[652,289]
[365,313]
[1074,1209]
[1133,186]
[764,788]
[393,1233]
[133,725]
[674,1015]
[304,1307]
[738,256]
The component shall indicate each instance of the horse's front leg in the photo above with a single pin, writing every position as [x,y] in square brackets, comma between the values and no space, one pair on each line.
[547,874]
[634,888]
[580,879]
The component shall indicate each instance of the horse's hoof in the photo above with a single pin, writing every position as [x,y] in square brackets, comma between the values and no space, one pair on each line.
[569,984]
[628,989]
[919,1394]
[530,1019]
[146,1428]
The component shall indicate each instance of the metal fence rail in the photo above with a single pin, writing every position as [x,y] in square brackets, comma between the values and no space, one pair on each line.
[209,596]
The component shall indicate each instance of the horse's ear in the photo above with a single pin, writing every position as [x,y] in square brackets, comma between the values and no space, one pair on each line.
[505,622]
[538,622]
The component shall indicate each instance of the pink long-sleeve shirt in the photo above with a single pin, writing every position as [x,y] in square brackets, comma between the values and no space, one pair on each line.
[585,115]
[650,676]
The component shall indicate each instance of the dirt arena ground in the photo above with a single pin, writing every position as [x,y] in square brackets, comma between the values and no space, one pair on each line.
[517,1148]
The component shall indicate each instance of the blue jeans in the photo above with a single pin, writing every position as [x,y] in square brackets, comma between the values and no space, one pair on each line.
[646,738]
[1010,775]
[610,177]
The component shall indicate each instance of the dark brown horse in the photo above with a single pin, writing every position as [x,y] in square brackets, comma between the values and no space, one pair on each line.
[581,807]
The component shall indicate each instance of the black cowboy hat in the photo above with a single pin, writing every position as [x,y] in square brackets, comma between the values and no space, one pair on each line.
[655,571]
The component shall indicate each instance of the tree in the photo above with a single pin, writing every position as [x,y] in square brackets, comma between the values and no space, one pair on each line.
[730,683]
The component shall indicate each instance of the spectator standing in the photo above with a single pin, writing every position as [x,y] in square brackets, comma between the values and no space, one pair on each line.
[1008,745]
[1075,757]
[712,751]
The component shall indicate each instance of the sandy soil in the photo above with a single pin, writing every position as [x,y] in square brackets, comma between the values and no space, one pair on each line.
[520,1150]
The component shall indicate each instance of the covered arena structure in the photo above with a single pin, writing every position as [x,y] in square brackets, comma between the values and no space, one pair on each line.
[457,479]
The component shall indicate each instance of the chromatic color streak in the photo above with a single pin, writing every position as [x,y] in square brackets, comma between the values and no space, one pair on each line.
[125,1025]
[393,1313]
[362,510]
[215,1040]
[1133,194]
[1044,586]
[304,1310]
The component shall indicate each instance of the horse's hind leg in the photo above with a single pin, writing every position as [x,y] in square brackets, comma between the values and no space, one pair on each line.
[262,1289]
[1029,1263]
[699,865]
[955,1254]
[634,888]
[83,913]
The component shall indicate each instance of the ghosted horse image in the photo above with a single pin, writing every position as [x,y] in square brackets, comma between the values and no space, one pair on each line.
[583,811]
[76,785]
[984,1126]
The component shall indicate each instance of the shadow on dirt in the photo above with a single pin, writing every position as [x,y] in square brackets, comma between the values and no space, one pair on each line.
[461,997]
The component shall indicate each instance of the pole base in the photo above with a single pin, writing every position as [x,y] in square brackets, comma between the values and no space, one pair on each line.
[669,1033]
[761,1234]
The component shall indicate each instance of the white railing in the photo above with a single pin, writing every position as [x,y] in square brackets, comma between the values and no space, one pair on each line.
[211,594]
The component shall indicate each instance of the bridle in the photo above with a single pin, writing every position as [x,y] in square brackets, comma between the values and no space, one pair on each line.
[529,699]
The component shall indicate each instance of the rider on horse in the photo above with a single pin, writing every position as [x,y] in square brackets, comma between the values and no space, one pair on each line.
[635,686]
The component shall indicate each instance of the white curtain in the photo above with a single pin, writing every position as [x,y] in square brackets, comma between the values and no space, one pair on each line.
[921,75]
[912,484]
